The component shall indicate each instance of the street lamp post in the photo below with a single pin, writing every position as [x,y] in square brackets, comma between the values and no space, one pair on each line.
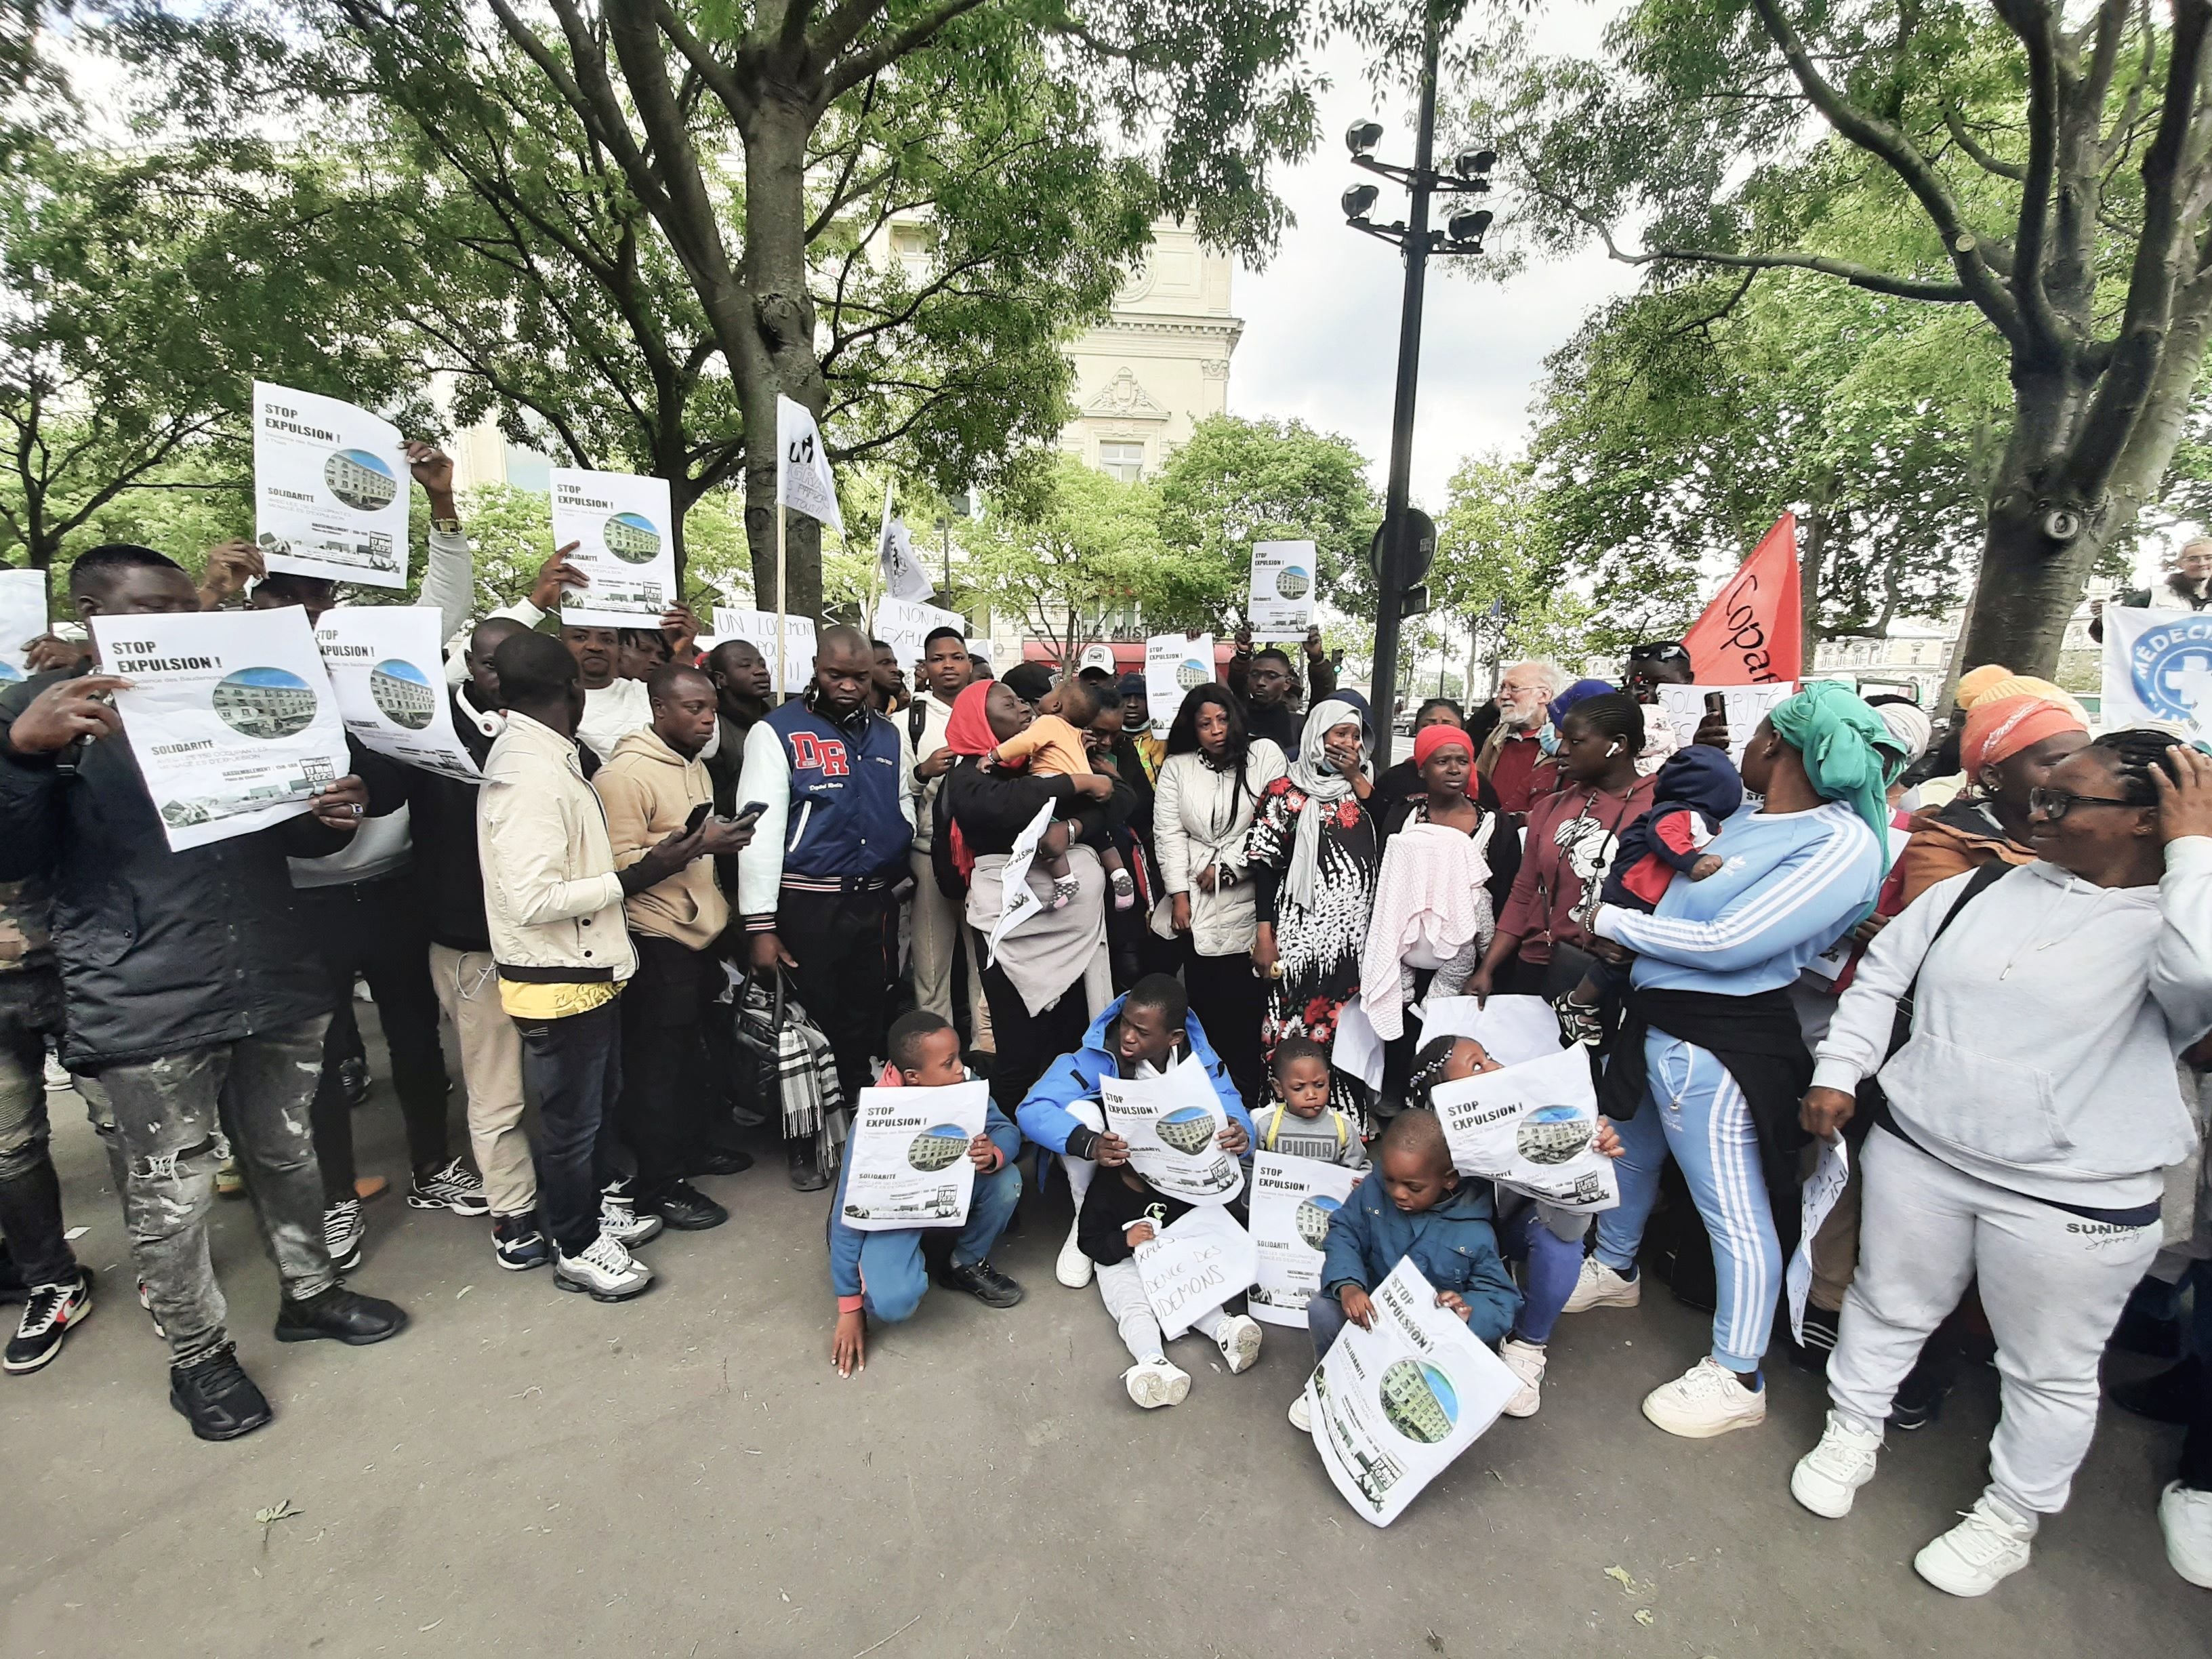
[1395,565]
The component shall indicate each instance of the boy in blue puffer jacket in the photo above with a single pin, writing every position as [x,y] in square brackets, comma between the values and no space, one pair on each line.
[1140,1034]
[1414,1206]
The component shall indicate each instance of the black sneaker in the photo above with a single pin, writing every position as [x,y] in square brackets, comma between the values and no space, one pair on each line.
[518,1243]
[49,1314]
[353,1077]
[2167,1396]
[1812,1353]
[684,1207]
[806,1174]
[725,1160]
[982,1281]
[454,1187]
[1919,1402]
[217,1398]
[340,1315]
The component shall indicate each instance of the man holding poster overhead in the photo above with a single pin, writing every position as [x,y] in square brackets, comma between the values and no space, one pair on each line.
[184,979]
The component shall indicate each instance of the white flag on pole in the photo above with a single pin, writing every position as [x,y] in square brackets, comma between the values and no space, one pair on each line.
[802,466]
[903,576]
[2158,666]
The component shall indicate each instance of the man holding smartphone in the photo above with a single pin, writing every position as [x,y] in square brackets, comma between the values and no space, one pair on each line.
[653,786]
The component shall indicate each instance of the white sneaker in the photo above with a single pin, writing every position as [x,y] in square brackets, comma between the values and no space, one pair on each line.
[57,1074]
[1073,1269]
[1239,1342]
[344,1232]
[605,1271]
[1526,1361]
[1598,1286]
[2185,1515]
[1156,1384]
[620,1221]
[1978,1554]
[1829,1476]
[1301,1415]
[1703,1402]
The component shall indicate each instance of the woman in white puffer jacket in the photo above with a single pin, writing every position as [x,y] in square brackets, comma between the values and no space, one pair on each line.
[2024,1126]
[1202,805]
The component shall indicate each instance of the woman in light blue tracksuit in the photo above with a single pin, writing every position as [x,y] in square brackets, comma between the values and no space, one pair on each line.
[1709,1021]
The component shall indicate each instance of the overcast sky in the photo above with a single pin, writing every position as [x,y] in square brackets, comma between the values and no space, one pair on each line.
[1321,321]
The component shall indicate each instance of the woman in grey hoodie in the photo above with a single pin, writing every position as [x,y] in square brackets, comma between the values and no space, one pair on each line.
[2022,1126]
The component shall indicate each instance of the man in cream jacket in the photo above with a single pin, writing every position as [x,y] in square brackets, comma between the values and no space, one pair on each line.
[553,901]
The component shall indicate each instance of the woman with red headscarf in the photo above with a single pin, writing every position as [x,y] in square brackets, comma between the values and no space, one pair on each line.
[1045,977]
[2009,746]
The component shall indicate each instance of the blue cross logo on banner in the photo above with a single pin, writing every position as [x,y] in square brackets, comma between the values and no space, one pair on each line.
[2171,666]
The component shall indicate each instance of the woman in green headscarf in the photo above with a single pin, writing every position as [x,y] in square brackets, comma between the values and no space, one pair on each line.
[1712,1042]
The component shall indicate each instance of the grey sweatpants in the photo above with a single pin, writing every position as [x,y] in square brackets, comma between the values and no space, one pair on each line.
[2052,1282]
[1121,1288]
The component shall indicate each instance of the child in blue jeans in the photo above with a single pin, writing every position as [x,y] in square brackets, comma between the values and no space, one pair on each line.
[1414,1204]
[885,1274]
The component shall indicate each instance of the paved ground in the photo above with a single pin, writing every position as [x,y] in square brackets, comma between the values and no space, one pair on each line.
[528,1472]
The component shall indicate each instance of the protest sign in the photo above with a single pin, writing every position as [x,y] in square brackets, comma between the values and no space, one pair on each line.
[230,714]
[1281,606]
[1173,1125]
[330,489]
[1684,707]
[1393,1405]
[1018,900]
[904,624]
[387,670]
[1193,1267]
[1531,1128]
[803,481]
[1175,664]
[757,628]
[904,578]
[1831,1173]
[1293,1201]
[1510,1028]
[624,529]
[2157,667]
[22,619]
[909,1156]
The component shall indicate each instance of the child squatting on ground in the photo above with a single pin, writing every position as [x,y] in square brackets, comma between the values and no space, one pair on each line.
[1414,1206]
[1699,789]
[1301,1123]
[1052,747]
[887,1273]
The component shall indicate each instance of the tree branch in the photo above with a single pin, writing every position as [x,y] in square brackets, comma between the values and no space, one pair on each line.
[843,78]
[2032,20]
[1981,158]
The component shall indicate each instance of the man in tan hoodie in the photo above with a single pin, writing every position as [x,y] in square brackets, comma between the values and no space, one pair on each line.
[650,786]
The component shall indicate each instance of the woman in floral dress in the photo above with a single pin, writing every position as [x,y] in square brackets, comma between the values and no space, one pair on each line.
[1313,856]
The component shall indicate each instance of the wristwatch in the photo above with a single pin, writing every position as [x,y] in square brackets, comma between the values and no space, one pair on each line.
[446,526]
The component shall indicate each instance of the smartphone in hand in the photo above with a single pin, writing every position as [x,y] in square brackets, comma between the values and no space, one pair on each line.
[698,817]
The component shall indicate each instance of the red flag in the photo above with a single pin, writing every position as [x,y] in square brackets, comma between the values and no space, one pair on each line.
[1752,633]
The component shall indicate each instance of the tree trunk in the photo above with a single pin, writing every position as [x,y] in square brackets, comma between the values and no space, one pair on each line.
[775,352]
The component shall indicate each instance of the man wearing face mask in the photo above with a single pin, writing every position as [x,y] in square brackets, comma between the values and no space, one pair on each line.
[1511,753]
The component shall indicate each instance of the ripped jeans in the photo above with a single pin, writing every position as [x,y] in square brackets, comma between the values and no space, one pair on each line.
[175,1119]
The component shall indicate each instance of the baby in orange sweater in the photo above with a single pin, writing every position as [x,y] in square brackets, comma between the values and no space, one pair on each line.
[1052,747]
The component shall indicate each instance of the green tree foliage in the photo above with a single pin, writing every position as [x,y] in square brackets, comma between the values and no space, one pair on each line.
[1240,481]
[1498,587]
[2041,171]
[1679,423]
[1067,554]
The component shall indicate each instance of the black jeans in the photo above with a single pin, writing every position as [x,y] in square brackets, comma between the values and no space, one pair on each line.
[30,1193]
[1228,999]
[379,930]
[1028,1043]
[572,1067]
[665,1110]
[842,943]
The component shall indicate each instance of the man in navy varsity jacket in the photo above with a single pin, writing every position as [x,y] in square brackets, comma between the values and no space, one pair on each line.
[814,888]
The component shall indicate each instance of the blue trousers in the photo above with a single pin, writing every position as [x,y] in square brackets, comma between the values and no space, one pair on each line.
[893,1276]
[1695,1111]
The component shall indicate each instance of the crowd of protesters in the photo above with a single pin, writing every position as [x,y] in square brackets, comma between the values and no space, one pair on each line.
[678,916]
